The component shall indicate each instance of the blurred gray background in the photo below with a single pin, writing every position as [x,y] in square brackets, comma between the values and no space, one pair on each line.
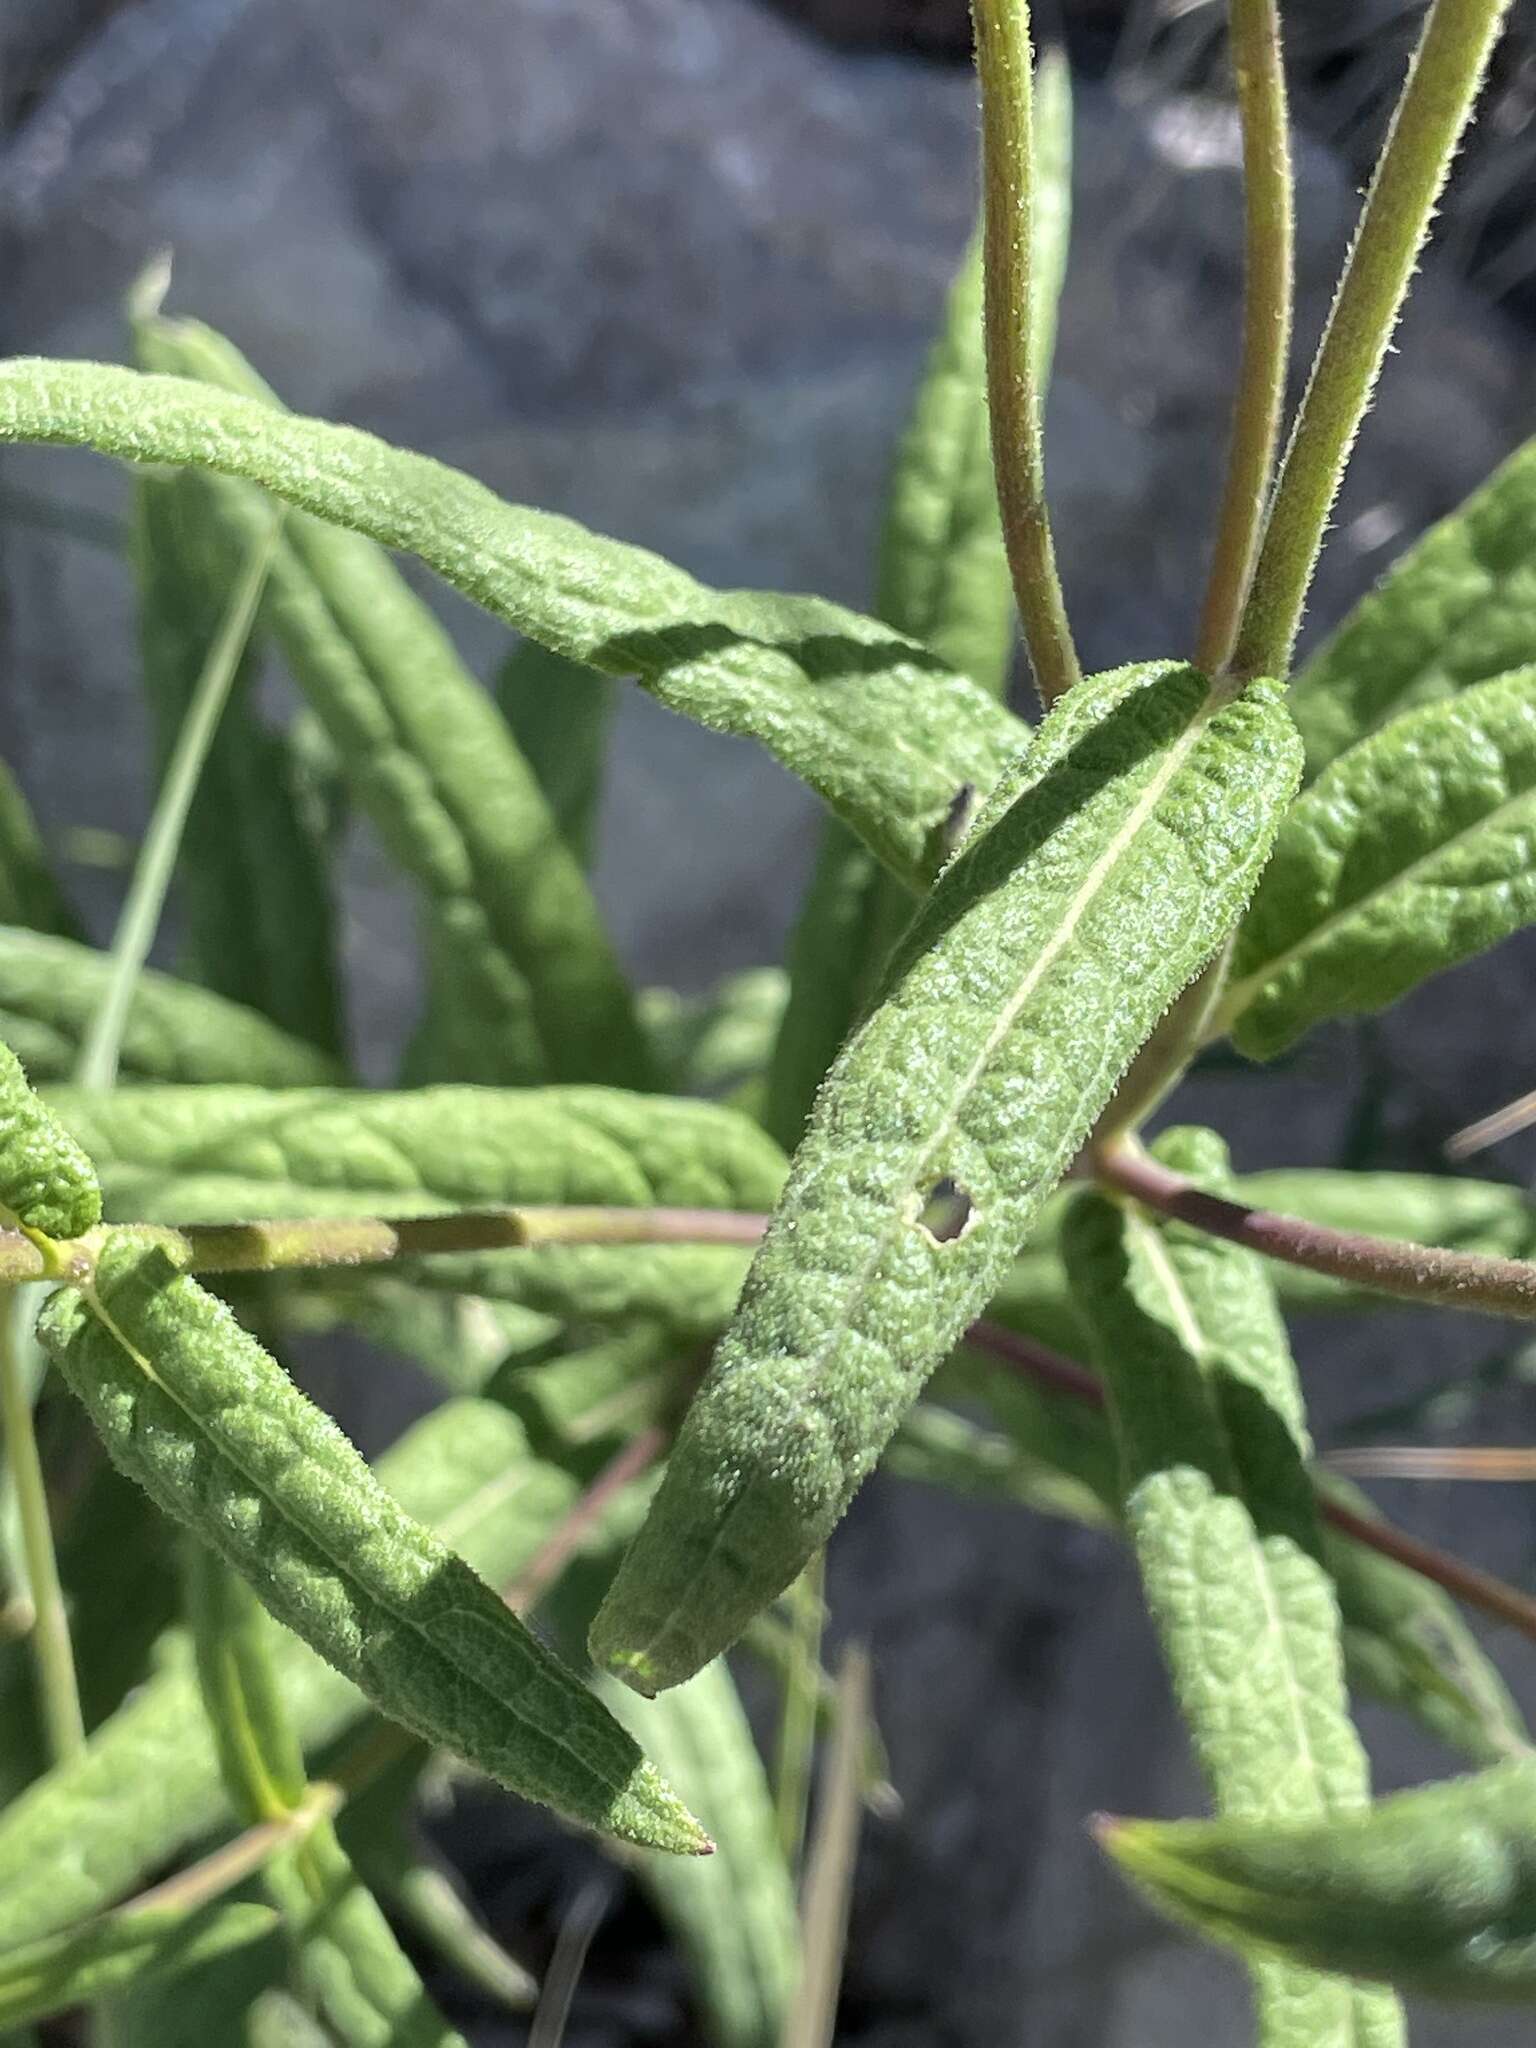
[670,266]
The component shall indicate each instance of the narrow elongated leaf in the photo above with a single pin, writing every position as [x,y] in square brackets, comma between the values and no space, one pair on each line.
[526,970]
[936,1447]
[348,1956]
[29,893]
[194,1410]
[1102,876]
[1433,1891]
[878,727]
[722,1041]
[1405,1643]
[734,1915]
[147,1784]
[1410,853]
[223,1154]
[560,712]
[1456,609]
[46,1181]
[438,1911]
[1207,1410]
[51,987]
[254,884]
[107,1955]
[689,1290]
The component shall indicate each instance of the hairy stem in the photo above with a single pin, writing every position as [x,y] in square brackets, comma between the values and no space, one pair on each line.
[1005,62]
[312,1244]
[1269,252]
[1464,1582]
[1414,1272]
[1436,102]
[51,1644]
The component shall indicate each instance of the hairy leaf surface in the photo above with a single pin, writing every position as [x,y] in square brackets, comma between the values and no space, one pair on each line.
[877,726]
[147,1784]
[1433,1890]
[1411,852]
[51,987]
[1207,1411]
[526,967]
[46,1180]
[1456,609]
[1103,876]
[193,1409]
[222,1154]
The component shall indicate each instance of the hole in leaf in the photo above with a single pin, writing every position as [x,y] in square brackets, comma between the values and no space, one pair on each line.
[947,1212]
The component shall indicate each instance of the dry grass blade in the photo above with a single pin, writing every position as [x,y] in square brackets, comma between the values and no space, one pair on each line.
[830,1865]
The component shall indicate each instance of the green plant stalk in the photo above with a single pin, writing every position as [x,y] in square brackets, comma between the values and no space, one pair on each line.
[798,1713]
[1258,62]
[140,916]
[1005,62]
[812,2016]
[57,1683]
[1436,103]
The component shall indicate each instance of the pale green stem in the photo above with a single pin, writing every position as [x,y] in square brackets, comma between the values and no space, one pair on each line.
[50,1629]
[1004,60]
[1436,102]
[812,2016]
[799,1709]
[1269,261]
[140,917]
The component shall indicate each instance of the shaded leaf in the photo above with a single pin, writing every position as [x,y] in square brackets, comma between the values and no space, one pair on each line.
[560,712]
[879,728]
[29,894]
[87,1963]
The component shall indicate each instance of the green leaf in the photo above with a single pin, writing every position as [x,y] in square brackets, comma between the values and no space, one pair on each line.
[51,987]
[733,1916]
[1457,609]
[878,727]
[87,1963]
[514,930]
[429,1900]
[147,1785]
[1405,1643]
[29,894]
[1432,1890]
[936,1447]
[46,1180]
[1101,878]
[560,712]
[253,880]
[191,1407]
[1410,853]
[225,1154]
[719,1042]
[1207,1411]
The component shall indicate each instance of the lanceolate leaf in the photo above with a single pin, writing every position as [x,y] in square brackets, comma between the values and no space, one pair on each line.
[348,1957]
[46,1181]
[29,895]
[222,1154]
[254,883]
[878,727]
[1457,609]
[1220,1510]
[515,931]
[147,1784]
[1405,1643]
[1433,1891]
[192,1408]
[734,1915]
[107,1955]
[50,988]
[1104,874]
[1411,852]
